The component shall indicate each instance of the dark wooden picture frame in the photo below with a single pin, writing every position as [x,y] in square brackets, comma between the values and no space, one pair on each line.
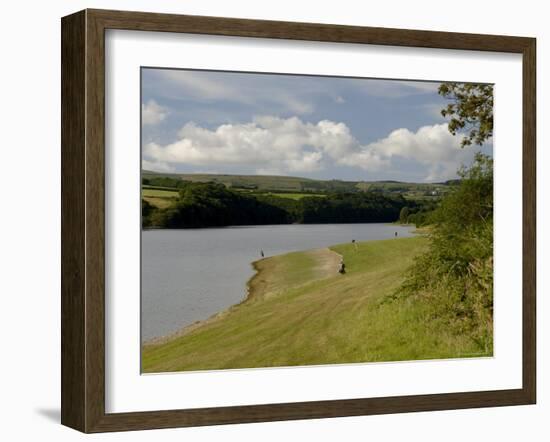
[83,220]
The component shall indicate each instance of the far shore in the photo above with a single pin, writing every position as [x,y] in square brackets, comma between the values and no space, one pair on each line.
[150,228]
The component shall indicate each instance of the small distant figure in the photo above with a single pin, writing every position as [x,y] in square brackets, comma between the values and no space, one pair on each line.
[262,253]
[342,269]
[396,234]
[354,243]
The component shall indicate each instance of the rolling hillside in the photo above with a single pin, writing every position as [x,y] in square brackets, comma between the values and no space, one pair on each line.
[299,184]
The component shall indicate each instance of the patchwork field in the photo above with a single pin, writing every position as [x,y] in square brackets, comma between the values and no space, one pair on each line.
[299,185]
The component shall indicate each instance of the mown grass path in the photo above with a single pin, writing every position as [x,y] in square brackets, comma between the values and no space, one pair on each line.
[283,272]
[300,311]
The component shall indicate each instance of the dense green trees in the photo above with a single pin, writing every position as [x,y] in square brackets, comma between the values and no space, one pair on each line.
[351,208]
[212,204]
[418,212]
[404,215]
[146,211]
[163,181]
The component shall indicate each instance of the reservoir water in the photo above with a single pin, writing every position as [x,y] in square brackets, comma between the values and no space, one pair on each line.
[190,274]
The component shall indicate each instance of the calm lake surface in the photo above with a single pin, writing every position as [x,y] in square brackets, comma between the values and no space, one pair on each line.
[190,274]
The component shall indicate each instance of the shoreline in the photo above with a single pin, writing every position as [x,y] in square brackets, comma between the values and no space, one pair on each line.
[251,295]
[340,319]
[232,226]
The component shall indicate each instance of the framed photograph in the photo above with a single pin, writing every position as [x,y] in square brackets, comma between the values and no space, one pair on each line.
[269,220]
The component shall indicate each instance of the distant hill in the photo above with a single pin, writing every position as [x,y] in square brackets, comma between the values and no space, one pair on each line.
[274,183]
[263,182]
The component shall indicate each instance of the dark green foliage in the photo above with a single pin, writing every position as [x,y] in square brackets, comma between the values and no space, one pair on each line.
[163,182]
[420,218]
[456,272]
[418,212]
[351,208]
[404,215]
[470,109]
[146,208]
[212,204]
[293,208]
[146,211]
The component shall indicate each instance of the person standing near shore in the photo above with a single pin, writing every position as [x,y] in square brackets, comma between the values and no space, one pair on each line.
[342,269]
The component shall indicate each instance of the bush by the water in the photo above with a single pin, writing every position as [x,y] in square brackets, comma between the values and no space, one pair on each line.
[455,274]
[418,212]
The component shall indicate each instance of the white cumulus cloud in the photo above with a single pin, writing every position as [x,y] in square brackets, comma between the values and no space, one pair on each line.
[433,146]
[152,113]
[293,146]
[266,143]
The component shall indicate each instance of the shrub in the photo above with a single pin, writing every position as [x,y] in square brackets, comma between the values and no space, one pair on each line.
[455,274]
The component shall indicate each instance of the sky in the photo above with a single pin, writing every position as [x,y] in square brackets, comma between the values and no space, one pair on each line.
[353,129]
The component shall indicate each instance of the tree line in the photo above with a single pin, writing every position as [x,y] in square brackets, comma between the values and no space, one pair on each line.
[211,204]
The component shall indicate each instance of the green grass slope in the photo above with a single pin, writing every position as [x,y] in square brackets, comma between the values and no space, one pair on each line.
[302,312]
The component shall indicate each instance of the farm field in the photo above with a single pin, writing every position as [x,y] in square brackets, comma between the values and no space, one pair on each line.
[298,185]
[297,196]
[158,197]
[159,192]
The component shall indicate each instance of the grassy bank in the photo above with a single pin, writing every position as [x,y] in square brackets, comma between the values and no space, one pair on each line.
[302,312]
